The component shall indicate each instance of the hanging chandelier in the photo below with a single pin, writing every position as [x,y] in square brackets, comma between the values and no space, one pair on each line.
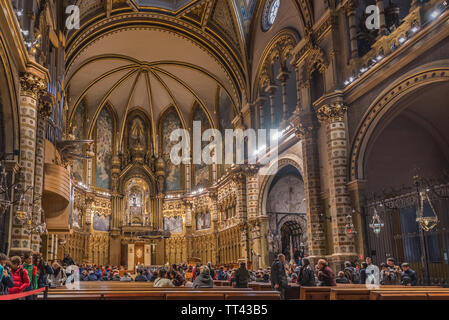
[376,224]
[427,223]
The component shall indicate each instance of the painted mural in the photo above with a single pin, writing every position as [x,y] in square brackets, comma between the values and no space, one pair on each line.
[173,224]
[173,177]
[201,171]
[78,131]
[104,146]
[77,219]
[101,223]
[203,221]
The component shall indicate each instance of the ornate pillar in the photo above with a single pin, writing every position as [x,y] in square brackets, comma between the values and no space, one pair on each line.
[45,108]
[31,88]
[356,191]
[240,184]
[188,225]
[306,129]
[260,103]
[283,77]
[264,254]
[333,116]
[271,91]
[116,207]
[350,12]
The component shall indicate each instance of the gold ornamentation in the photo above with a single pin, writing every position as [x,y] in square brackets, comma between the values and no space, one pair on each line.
[32,85]
[331,112]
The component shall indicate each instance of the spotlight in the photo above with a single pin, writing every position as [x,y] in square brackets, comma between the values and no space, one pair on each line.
[435,14]
[401,40]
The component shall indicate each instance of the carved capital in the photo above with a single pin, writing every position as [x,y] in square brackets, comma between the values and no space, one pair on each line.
[31,85]
[331,112]
[46,103]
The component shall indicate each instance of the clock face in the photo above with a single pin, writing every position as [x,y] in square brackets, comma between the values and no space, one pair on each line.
[270,13]
[274,9]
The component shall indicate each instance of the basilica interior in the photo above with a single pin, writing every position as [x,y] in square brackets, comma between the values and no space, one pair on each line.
[91,91]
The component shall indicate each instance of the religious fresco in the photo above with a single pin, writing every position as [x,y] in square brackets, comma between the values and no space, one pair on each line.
[201,173]
[101,223]
[287,196]
[173,224]
[104,145]
[78,131]
[76,219]
[173,180]
[203,221]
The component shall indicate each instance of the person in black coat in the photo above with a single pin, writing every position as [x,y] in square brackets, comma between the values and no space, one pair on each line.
[409,277]
[241,276]
[363,275]
[278,276]
[43,270]
[306,277]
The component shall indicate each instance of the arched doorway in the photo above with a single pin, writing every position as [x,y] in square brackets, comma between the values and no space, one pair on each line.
[286,210]
[292,245]
[410,139]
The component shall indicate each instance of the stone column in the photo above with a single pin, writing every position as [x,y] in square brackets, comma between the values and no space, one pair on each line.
[264,254]
[271,91]
[31,88]
[45,109]
[283,77]
[260,103]
[356,191]
[306,129]
[350,12]
[333,117]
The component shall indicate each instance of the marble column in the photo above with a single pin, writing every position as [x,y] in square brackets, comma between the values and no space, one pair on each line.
[333,117]
[31,88]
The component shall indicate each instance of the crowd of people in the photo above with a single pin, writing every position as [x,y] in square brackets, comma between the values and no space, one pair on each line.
[304,274]
[31,272]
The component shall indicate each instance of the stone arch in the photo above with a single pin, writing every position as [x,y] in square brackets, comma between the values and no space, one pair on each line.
[8,104]
[279,48]
[288,159]
[386,102]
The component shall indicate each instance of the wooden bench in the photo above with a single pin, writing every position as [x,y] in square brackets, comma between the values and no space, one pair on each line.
[434,293]
[170,295]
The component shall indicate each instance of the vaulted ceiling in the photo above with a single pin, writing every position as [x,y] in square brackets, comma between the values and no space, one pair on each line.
[152,54]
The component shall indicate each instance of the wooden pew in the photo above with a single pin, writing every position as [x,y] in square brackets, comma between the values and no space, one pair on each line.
[314,293]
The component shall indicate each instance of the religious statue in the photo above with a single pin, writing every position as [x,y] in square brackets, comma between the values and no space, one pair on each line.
[137,139]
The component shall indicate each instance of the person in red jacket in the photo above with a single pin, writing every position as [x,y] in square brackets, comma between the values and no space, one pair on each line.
[19,275]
